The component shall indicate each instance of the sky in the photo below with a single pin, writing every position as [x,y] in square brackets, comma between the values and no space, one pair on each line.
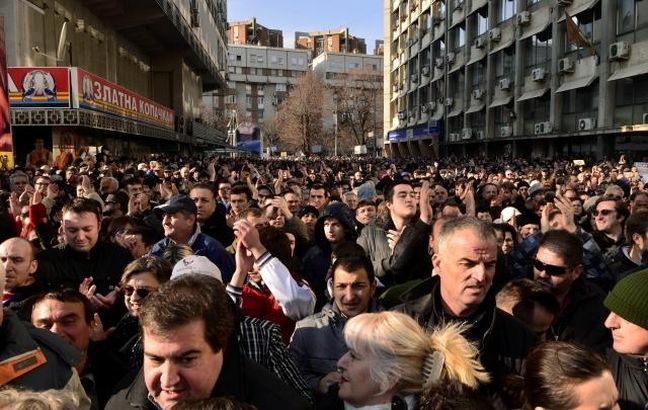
[363,17]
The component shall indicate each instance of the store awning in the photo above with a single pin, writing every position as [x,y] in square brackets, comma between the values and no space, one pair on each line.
[455,113]
[579,83]
[475,108]
[501,101]
[528,95]
[634,70]
[437,115]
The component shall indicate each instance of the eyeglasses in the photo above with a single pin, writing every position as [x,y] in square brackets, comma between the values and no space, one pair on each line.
[551,270]
[603,212]
[141,292]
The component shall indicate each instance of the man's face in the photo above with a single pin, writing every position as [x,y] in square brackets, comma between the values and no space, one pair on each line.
[628,338]
[523,191]
[351,200]
[606,217]
[561,280]
[352,291]
[309,220]
[134,189]
[640,203]
[106,186]
[178,226]
[81,230]
[466,266]
[440,194]
[112,207]
[490,192]
[528,230]
[239,203]
[293,202]
[180,365]
[224,190]
[19,264]
[403,203]
[41,185]
[333,230]
[205,202]
[365,214]
[66,319]
[263,195]
[485,216]
[317,198]
[19,183]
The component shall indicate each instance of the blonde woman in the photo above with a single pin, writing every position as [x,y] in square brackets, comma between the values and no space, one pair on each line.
[391,360]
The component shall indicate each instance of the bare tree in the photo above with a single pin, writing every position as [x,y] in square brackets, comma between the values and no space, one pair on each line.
[270,132]
[359,99]
[299,118]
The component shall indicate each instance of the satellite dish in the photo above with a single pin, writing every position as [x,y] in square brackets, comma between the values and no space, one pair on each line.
[62,42]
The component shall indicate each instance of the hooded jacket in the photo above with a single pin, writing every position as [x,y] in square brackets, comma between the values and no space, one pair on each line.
[317,261]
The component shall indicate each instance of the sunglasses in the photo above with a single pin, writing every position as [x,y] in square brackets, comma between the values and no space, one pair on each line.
[141,292]
[551,270]
[604,212]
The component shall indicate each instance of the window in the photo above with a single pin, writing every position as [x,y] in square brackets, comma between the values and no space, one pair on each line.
[239,70]
[252,58]
[238,58]
[482,24]
[504,63]
[478,74]
[507,9]
[230,69]
[260,59]
[260,100]
[589,23]
[274,59]
[539,52]
[632,15]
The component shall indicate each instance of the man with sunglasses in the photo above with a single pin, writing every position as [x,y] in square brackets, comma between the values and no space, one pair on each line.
[558,265]
[610,215]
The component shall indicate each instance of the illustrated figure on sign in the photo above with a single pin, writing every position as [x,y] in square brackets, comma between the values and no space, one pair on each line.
[39,83]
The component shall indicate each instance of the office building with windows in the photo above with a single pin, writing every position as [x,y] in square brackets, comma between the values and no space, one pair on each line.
[333,41]
[517,78]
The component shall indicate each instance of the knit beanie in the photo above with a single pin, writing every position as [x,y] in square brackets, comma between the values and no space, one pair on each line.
[629,298]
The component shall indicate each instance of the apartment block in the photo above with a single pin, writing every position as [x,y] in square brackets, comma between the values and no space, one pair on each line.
[334,41]
[249,32]
[506,78]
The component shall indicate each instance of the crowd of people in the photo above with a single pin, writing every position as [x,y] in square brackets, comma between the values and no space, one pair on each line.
[327,283]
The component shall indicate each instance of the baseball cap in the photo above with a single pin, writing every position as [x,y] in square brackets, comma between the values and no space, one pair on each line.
[175,204]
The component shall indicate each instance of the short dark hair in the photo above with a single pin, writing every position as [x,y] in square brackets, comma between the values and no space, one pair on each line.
[352,264]
[158,267]
[131,181]
[148,234]
[389,192]
[83,205]
[278,244]
[552,371]
[189,298]
[67,295]
[565,244]
[522,294]
[619,206]
[205,185]
[212,403]
[241,188]
[504,228]
[365,202]
[636,223]
[453,396]
[318,187]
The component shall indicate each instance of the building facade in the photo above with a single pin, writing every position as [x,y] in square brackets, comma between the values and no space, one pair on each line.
[507,77]
[333,41]
[259,80]
[356,84]
[249,32]
[135,72]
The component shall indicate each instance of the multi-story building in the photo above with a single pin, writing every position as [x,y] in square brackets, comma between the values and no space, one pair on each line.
[259,80]
[125,75]
[249,32]
[379,48]
[333,41]
[356,84]
[504,77]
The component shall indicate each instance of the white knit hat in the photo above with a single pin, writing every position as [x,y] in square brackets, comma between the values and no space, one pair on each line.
[196,264]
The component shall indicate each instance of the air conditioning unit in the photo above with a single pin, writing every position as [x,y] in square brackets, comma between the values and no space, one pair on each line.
[459,4]
[524,18]
[401,115]
[425,70]
[645,118]
[566,65]
[449,101]
[619,50]
[437,19]
[466,133]
[450,57]
[478,94]
[495,34]
[538,74]
[586,124]
[504,84]
[542,128]
[480,42]
[480,135]
[453,136]
[414,78]
[506,131]
[439,62]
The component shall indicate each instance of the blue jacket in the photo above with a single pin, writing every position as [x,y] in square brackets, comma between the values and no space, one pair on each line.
[206,246]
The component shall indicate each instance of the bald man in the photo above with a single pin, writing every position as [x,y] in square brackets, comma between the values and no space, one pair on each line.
[18,258]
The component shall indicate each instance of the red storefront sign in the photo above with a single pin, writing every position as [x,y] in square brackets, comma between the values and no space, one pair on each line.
[39,86]
[95,93]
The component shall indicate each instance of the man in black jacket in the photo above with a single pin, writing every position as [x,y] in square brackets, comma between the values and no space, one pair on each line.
[211,219]
[190,352]
[558,265]
[83,255]
[628,321]
[465,263]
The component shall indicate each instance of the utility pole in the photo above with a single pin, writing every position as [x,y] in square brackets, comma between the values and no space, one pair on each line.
[336,125]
